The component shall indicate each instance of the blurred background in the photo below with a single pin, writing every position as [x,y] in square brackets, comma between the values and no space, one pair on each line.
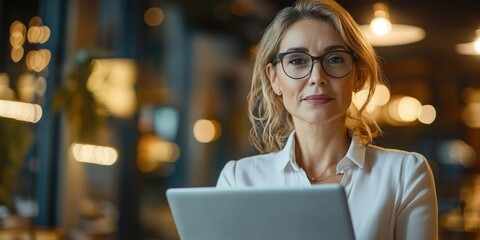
[105,104]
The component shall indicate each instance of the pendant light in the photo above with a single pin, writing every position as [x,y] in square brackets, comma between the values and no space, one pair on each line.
[471,48]
[381,32]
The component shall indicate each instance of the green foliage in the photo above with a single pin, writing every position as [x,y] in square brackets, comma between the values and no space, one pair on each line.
[80,109]
[78,102]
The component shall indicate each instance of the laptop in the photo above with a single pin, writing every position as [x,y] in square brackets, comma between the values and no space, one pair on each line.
[208,213]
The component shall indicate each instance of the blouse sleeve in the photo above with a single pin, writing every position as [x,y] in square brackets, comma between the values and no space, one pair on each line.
[417,216]
[227,176]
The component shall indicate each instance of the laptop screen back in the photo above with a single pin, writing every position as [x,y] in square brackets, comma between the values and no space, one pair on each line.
[317,212]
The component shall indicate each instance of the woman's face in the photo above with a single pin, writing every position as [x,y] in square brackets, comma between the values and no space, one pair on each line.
[316,98]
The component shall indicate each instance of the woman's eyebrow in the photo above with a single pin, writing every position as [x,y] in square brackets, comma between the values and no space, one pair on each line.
[335,47]
[327,49]
[297,49]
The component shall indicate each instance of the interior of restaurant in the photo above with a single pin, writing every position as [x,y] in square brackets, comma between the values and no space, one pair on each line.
[105,104]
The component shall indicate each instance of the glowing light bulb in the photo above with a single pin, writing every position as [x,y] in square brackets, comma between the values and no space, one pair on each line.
[476,45]
[470,48]
[380,26]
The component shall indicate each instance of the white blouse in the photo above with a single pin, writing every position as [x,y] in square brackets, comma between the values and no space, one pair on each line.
[391,193]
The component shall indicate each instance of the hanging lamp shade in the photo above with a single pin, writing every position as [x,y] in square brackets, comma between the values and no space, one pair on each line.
[381,32]
[470,48]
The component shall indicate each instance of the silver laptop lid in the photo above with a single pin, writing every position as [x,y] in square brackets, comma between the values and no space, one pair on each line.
[316,212]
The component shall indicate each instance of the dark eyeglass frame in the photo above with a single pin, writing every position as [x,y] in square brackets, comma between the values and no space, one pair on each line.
[280,56]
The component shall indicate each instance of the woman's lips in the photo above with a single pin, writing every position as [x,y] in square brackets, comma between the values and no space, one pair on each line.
[318,99]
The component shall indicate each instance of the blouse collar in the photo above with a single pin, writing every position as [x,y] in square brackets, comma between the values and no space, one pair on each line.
[355,155]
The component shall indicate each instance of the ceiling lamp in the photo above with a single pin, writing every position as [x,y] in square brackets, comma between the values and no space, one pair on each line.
[381,32]
[471,48]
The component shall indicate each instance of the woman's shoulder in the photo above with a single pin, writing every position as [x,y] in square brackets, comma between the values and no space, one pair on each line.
[254,161]
[391,156]
[395,164]
[249,171]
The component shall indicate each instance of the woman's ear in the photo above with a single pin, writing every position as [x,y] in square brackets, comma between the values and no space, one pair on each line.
[272,76]
[359,80]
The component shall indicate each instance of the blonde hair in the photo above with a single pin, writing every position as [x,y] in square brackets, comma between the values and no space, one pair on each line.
[271,123]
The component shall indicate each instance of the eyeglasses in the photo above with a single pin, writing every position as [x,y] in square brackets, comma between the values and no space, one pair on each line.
[297,65]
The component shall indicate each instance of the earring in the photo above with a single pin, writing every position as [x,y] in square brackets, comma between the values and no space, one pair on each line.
[356,90]
[278,92]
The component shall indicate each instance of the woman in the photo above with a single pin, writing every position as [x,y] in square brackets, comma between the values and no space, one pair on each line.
[310,60]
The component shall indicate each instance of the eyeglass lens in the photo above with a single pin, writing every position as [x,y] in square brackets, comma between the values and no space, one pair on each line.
[298,65]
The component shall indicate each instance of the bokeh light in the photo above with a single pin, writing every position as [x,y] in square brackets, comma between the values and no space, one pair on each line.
[17,39]
[17,34]
[38,60]
[471,115]
[426,114]
[112,83]
[408,108]
[471,95]
[380,97]
[457,152]
[35,21]
[359,98]
[37,33]
[403,110]
[40,86]
[154,151]
[17,54]
[206,131]
[153,16]
[166,121]
[26,112]
[95,154]
[26,87]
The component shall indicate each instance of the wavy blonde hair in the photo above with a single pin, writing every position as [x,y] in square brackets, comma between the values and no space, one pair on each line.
[271,123]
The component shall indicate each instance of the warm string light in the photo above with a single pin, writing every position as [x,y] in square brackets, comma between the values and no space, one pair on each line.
[87,153]
[36,60]
[17,39]
[21,111]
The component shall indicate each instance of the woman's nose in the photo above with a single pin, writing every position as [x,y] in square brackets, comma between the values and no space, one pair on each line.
[317,76]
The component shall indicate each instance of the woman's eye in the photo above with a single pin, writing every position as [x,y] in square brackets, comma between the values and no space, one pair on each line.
[297,61]
[335,59]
